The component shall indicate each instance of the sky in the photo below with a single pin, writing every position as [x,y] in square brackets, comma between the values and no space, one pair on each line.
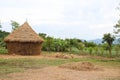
[83,19]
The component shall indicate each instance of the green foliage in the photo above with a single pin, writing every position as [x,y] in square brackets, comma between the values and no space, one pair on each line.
[48,44]
[2,43]
[90,49]
[102,50]
[117,27]
[14,24]
[108,38]
[75,50]
[96,50]
[3,50]
[105,46]
[21,64]
[117,49]
[75,46]
[43,35]
[60,45]
[3,34]
[90,44]
[0,25]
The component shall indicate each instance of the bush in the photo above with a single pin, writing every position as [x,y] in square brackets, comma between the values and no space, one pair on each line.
[3,50]
[90,49]
[75,50]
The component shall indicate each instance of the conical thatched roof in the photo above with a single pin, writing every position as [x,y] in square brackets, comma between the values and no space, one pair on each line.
[23,34]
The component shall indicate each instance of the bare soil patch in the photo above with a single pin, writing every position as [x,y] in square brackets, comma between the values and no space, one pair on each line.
[81,66]
[49,56]
[19,56]
[56,73]
[69,71]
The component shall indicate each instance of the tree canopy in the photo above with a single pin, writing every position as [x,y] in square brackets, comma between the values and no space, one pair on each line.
[108,38]
[14,24]
[117,27]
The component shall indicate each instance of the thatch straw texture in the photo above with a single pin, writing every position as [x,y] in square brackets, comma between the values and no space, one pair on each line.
[23,34]
[24,48]
[24,41]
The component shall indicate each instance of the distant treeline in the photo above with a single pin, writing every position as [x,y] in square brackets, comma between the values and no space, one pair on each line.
[3,34]
[70,45]
[56,44]
[78,46]
[64,45]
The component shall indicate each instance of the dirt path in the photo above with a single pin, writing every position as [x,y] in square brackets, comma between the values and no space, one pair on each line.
[56,73]
[19,56]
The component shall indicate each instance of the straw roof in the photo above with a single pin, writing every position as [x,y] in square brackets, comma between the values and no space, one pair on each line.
[24,33]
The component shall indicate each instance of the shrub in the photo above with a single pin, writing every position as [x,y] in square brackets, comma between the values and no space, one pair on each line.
[3,50]
[75,50]
[90,49]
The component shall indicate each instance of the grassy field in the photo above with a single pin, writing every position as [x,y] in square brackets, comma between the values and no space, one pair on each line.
[11,65]
[102,53]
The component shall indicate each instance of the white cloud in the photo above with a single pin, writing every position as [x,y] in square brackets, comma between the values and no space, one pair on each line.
[85,19]
[101,26]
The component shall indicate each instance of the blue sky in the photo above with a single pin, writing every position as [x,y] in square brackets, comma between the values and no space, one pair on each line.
[83,19]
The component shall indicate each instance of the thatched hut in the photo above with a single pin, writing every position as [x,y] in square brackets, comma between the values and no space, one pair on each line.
[24,41]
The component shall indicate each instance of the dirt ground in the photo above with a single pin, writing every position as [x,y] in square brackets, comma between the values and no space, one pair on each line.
[57,73]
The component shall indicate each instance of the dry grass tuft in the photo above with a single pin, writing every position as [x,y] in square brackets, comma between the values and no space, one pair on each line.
[80,66]
[64,56]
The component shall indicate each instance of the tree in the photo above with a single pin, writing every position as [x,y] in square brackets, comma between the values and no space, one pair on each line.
[73,43]
[90,49]
[60,45]
[0,25]
[14,24]
[43,35]
[3,34]
[49,43]
[117,27]
[108,38]
[81,46]
[104,47]
[90,44]
[117,31]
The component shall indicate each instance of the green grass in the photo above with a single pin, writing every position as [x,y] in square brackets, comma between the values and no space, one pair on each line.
[21,64]
[102,53]
[3,50]
[103,62]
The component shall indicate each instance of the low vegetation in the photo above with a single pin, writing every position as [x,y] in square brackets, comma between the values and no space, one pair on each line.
[11,65]
[3,50]
[72,45]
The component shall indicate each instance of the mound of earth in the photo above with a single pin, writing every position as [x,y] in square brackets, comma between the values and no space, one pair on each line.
[64,56]
[80,66]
